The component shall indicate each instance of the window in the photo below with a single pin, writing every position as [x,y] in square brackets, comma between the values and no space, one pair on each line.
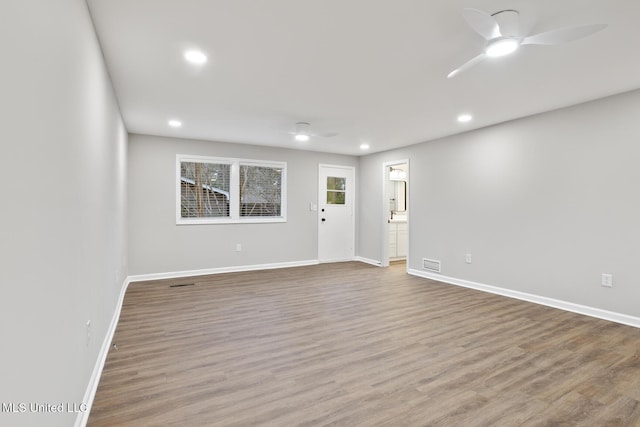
[336,190]
[223,190]
[204,189]
[260,191]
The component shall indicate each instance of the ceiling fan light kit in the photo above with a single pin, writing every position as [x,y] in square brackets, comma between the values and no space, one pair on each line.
[501,47]
[302,132]
[501,32]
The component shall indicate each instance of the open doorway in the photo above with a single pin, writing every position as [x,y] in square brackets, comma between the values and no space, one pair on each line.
[396,212]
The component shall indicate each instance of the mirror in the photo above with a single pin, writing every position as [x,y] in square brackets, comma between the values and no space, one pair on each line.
[397,190]
[397,196]
[400,196]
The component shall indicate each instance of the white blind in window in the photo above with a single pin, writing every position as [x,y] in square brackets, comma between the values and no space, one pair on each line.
[204,189]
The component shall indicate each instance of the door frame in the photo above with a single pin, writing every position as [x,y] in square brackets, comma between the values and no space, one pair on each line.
[385,208]
[353,214]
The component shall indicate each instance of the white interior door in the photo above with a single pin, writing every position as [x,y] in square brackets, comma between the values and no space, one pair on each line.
[336,228]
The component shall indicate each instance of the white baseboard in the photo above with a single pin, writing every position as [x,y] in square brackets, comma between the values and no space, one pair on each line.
[550,302]
[368,261]
[90,393]
[220,270]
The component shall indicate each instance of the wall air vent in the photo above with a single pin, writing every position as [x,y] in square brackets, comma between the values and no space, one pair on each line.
[431,265]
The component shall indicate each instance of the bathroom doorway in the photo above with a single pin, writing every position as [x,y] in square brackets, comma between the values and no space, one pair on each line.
[396,212]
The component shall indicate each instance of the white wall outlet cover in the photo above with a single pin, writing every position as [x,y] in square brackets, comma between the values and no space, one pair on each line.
[607,280]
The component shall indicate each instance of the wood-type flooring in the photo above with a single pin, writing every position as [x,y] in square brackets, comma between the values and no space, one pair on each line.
[349,344]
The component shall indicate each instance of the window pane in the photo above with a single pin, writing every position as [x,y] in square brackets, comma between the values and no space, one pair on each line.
[260,191]
[204,189]
[336,183]
[335,197]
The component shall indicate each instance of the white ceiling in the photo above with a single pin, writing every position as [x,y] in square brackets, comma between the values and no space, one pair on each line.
[372,70]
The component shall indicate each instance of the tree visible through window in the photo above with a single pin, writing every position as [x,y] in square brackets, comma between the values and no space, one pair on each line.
[336,190]
[260,190]
[204,189]
[214,190]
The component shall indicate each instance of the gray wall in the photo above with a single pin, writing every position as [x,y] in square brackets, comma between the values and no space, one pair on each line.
[63,216]
[158,245]
[544,204]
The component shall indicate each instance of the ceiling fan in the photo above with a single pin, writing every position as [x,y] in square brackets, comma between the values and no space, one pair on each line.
[303,132]
[501,32]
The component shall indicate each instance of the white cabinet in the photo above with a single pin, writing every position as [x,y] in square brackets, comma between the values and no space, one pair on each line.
[393,240]
[397,240]
[401,241]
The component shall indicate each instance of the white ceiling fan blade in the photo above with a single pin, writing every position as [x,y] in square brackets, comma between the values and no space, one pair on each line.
[483,23]
[325,134]
[466,65]
[508,23]
[564,35]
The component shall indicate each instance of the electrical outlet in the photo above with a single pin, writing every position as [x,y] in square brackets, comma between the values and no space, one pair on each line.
[238,247]
[467,258]
[88,332]
[607,280]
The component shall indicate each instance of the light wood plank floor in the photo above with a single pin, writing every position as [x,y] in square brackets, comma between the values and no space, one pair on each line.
[355,345]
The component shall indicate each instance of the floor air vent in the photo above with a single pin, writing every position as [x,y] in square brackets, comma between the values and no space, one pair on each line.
[181,285]
[431,265]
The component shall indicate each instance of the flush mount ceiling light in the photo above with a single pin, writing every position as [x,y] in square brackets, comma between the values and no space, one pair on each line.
[364,146]
[464,118]
[195,57]
[175,123]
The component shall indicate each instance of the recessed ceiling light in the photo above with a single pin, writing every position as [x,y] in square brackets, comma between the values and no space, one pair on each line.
[195,57]
[464,118]
[502,47]
[302,137]
[364,146]
[175,123]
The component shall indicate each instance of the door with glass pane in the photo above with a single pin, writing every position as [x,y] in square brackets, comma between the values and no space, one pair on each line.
[335,213]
